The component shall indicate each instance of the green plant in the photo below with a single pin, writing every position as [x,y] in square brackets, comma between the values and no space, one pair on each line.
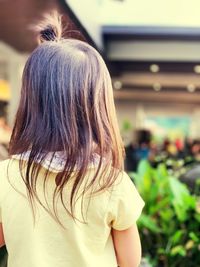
[169,224]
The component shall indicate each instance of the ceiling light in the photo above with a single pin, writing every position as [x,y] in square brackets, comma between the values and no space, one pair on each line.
[154,68]
[157,87]
[191,88]
[117,85]
[197,68]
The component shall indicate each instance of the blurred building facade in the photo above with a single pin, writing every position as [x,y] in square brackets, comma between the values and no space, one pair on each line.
[17,40]
[155,67]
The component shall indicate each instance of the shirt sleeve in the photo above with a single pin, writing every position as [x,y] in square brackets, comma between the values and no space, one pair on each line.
[127,204]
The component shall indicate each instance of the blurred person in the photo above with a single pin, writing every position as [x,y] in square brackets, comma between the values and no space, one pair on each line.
[138,149]
[188,145]
[195,149]
[172,150]
[169,148]
[166,143]
[179,144]
[180,154]
[64,197]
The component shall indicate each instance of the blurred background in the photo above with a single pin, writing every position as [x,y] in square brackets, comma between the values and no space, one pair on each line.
[152,50]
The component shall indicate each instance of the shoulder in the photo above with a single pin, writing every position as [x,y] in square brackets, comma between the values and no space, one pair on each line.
[9,173]
[4,165]
[7,167]
[3,178]
[124,190]
[8,163]
[122,182]
[127,203]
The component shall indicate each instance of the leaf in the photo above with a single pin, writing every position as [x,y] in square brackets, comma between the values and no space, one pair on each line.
[166,215]
[162,171]
[149,223]
[160,205]
[189,245]
[177,236]
[153,196]
[161,251]
[180,211]
[181,199]
[197,217]
[179,191]
[194,237]
[144,169]
[178,250]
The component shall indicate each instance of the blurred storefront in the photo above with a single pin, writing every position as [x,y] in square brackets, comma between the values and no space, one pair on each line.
[11,64]
[153,57]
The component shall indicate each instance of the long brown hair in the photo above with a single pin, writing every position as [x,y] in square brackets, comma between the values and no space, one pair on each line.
[67,105]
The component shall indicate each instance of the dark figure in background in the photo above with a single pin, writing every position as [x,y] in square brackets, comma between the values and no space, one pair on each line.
[188,146]
[138,150]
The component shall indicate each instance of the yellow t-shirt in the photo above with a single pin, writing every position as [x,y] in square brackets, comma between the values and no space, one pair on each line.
[46,243]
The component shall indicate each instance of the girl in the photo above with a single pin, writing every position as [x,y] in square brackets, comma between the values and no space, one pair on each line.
[64,198]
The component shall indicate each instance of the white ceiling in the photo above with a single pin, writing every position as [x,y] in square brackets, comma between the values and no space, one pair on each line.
[93,14]
[177,13]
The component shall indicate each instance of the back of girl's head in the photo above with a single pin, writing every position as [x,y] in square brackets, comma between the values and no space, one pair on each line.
[66,105]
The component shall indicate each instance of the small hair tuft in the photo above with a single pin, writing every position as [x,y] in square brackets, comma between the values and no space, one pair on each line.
[50,28]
